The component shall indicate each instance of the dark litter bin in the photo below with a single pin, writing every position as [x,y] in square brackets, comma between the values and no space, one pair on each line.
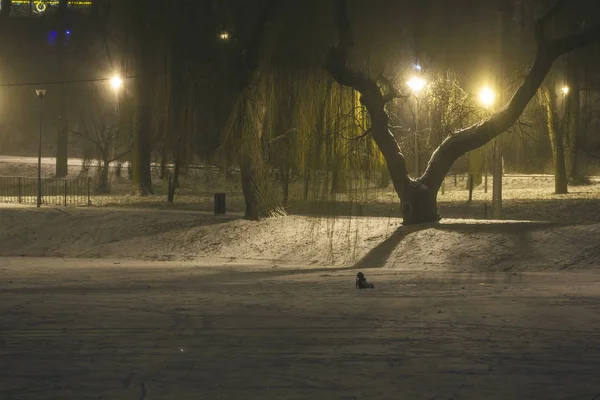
[220,207]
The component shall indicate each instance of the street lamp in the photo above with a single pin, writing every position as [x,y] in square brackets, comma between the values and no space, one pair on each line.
[416,85]
[116,82]
[224,36]
[565,90]
[40,94]
[487,97]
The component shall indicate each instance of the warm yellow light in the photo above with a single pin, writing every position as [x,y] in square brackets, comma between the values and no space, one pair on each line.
[116,82]
[416,84]
[224,35]
[565,90]
[487,97]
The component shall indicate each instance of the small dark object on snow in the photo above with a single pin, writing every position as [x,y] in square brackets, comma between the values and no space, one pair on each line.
[361,282]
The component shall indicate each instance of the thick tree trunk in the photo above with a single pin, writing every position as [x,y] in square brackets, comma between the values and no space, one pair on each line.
[419,204]
[572,117]
[62,147]
[256,186]
[339,178]
[556,141]
[62,134]
[103,184]
[163,162]
[141,178]
[307,176]
[258,196]
[176,172]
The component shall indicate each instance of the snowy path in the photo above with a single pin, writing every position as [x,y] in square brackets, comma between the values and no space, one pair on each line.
[85,329]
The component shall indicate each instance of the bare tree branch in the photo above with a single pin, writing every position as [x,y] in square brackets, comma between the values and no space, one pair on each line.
[371,97]
[542,22]
[362,135]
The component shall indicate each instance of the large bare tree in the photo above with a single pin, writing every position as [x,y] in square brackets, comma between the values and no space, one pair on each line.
[419,196]
[246,116]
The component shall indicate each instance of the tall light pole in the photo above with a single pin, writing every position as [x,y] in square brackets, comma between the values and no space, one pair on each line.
[487,97]
[116,83]
[40,94]
[416,85]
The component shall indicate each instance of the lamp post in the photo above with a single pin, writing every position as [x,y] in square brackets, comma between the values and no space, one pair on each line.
[116,83]
[416,85]
[487,97]
[40,94]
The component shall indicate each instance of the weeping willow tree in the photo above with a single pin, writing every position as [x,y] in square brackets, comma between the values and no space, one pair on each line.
[318,135]
[246,133]
[315,130]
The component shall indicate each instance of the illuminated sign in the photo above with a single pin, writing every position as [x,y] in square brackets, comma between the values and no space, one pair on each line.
[38,8]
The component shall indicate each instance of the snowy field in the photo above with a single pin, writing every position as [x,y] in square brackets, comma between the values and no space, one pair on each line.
[131,303]
[93,329]
[526,197]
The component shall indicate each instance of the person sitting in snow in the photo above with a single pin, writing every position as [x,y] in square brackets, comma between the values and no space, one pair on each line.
[362,283]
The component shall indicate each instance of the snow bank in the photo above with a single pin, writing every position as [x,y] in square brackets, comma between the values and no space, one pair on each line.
[303,241]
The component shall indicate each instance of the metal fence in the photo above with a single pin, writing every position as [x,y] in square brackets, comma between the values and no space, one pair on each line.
[55,192]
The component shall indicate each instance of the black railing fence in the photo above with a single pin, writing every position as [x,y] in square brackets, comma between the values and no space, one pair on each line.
[55,192]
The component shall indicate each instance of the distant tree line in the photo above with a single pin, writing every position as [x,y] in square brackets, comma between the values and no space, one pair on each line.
[313,93]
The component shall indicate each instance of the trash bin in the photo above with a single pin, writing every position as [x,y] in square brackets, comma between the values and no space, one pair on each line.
[220,207]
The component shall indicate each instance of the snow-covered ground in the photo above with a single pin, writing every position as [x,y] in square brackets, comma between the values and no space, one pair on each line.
[93,329]
[101,303]
[297,240]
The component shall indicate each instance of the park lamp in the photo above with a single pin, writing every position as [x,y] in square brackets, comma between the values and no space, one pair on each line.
[224,36]
[487,97]
[116,82]
[565,90]
[416,84]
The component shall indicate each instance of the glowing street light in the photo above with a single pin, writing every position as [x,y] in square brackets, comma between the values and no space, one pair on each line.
[116,82]
[224,35]
[487,97]
[565,90]
[416,84]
